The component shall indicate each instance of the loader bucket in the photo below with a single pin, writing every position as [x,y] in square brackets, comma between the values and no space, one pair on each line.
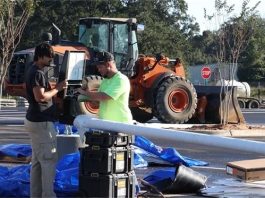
[214,104]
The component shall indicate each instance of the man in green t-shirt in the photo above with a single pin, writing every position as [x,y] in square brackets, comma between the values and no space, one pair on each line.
[113,93]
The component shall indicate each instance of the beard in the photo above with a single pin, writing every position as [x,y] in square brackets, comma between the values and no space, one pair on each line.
[106,74]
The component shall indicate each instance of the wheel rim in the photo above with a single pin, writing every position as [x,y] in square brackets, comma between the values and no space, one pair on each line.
[254,105]
[91,107]
[178,100]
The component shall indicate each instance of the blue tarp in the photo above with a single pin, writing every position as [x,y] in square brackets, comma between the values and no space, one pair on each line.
[15,150]
[170,155]
[160,175]
[66,179]
[14,182]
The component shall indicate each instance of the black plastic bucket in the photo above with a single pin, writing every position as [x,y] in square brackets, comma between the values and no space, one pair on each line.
[186,181]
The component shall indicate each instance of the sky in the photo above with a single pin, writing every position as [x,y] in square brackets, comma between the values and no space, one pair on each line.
[196,9]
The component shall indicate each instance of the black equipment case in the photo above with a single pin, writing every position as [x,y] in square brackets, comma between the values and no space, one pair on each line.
[106,160]
[108,139]
[111,185]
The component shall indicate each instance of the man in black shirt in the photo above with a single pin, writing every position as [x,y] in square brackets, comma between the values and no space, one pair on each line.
[39,123]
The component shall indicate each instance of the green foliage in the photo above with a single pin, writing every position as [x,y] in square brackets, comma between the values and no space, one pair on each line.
[258,92]
[252,66]
[13,18]
[10,15]
[167,25]
[239,40]
[168,29]
[204,48]
[64,14]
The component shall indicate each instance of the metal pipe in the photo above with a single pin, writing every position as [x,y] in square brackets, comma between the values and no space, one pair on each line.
[84,122]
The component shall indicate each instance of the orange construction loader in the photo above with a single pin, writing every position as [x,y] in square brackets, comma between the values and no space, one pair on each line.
[159,87]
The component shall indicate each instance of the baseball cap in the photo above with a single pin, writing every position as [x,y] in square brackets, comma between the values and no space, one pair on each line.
[103,57]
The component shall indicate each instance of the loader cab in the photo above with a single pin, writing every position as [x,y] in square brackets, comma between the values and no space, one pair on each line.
[115,35]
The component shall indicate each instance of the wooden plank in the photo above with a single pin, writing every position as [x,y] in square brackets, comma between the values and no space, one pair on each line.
[8,159]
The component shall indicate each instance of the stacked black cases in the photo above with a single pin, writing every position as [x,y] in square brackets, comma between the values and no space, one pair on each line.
[106,165]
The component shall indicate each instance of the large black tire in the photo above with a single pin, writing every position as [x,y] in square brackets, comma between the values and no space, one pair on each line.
[242,104]
[141,115]
[175,101]
[253,104]
[88,107]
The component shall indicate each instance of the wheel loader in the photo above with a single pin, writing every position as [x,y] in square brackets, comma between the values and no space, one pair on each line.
[159,87]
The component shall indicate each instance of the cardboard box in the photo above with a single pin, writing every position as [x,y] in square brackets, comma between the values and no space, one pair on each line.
[248,170]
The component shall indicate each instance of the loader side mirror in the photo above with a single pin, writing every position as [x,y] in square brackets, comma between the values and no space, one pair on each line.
[56,32]
[73,70]
[159,57]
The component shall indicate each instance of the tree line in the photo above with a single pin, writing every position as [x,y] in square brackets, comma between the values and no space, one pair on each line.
[168,30]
